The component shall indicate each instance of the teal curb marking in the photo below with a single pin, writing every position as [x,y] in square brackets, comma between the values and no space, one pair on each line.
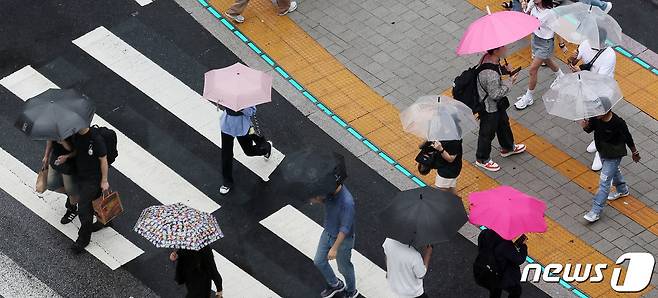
[637,59]
[344,124]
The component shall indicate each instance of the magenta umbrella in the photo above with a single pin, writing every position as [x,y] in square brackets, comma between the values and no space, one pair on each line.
[495,30]
[237,87]
[507,211]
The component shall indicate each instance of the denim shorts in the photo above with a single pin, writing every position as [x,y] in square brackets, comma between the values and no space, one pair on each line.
[57,180]
[542,48]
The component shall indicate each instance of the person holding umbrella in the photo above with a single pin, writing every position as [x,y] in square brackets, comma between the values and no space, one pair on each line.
[197,269]
[58,157]
[508,255]
[406,268]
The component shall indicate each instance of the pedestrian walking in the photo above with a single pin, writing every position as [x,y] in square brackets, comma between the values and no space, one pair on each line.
[611,136]
[91,163]
[337,240]
[58,157]
[494,121]
[406,268]
[197,270]
[236,125]
[597,60]
[448,164]
[497,265]
[542,44]
[235,11]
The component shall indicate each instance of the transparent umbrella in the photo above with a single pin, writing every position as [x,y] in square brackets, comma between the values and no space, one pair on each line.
[578,22]
[438,118]
[581,95]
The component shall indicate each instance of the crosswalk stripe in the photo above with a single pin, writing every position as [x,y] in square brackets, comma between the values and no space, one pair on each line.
[144,2]
[237,283]
[17,282]
[134,162]
[168,91]
[303,233]
[17,180]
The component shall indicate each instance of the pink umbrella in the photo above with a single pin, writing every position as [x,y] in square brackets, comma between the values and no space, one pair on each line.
[495,30]
[237,87]
[507,211]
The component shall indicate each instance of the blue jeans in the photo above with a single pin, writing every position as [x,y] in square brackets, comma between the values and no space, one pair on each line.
[610,175]
[598,3]
[343,258]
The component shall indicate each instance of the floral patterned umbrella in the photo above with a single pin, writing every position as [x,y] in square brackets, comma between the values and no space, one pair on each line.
[178,226]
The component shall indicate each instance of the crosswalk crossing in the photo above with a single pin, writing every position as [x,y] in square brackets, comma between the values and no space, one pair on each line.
[153,176]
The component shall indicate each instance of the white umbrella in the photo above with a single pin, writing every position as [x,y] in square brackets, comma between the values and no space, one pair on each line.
[438,118]
[581,95]
[578,22]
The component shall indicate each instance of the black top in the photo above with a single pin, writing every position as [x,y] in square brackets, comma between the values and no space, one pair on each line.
[196,269]
[90,147]
[452,169]
[610,137]
[508,257]
[67,168]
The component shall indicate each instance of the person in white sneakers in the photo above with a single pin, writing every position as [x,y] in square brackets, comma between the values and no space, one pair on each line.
[494,119]
[601,60]
[603,5]
[542,44]
[235,11]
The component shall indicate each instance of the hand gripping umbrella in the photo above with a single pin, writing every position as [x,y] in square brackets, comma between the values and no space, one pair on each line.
[423,216]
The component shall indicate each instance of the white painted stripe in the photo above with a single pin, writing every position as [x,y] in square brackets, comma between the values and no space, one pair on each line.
[18,180]
[143,2]
[168,91]
[17,282]
[237,283]
[304,234]
[134,162]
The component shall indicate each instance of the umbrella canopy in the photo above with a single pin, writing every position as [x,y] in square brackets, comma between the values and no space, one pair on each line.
[438,118]
[55,114]
[581,95]
[578,22]
[507,211]
[237,87]
[495,30]
[313,172]
[423,216]
[178,226]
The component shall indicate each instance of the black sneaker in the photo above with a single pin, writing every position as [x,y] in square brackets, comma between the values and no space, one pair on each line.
[68,216]
[332,290]
[78,248]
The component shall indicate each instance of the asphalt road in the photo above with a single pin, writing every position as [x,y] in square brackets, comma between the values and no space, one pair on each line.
[638,20]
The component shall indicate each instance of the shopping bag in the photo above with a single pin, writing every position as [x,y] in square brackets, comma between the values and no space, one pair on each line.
[42,180]
[107,207]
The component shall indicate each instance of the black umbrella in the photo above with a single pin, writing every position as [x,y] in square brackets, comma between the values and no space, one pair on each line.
[423,216]
[55,114]
[313,172]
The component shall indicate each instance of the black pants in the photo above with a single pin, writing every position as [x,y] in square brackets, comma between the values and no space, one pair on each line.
[248,147]
[90,190]
[424,295]
[492,124]
[514,292]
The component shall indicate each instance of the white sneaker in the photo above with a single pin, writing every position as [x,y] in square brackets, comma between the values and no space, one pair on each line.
[293,6]
[617,195]
[597,165]
[591,148]
[224,190]
[237,18]
[523,102]
[608,7]
[591,216]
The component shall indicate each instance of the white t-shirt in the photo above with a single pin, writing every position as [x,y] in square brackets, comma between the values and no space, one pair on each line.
[404,269]
[544,16]
[606,62]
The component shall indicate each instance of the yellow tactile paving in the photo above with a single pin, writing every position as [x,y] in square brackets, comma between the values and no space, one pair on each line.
[294,50]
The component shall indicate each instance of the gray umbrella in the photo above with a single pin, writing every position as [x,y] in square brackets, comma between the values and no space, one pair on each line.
[423,216]
[55,114]
[313,172]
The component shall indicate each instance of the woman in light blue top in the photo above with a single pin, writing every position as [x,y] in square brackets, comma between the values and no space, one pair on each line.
[236,125]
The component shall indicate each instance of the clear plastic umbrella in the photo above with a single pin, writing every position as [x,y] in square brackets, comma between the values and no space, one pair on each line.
[578,22]
[438,118]
[581,95]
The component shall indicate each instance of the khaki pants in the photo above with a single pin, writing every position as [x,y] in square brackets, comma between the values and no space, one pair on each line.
[239,6]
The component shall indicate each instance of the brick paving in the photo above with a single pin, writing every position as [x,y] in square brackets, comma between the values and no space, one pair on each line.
[405,51]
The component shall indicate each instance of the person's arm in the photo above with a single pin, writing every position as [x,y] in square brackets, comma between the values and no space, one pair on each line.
[427,255]
[46,154]
[105,185]
[444,154]
[493,85]
[346,222]
[515,254]
[333,251]
[587,125]
[421,265]
[628,138]
[250,111]
[209,262]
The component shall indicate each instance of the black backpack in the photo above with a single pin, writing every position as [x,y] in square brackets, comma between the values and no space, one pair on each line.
[465,87]
[485,269]
[110,138]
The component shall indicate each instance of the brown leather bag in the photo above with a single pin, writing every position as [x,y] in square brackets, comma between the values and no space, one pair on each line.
[107,207]
[42,180]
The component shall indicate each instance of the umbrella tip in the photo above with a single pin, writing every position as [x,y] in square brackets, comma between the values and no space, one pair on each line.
[488,10]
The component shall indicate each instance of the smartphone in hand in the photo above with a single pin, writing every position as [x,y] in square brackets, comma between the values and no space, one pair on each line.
[521,240]
[515,71]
